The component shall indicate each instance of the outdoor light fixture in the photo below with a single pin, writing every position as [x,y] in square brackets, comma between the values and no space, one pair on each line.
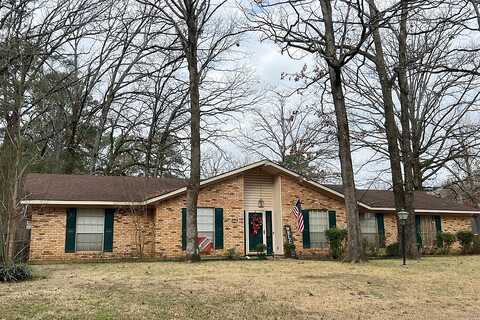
[402,217]
[260,203]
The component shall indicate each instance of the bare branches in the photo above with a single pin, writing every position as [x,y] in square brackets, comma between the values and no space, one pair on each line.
[299,136]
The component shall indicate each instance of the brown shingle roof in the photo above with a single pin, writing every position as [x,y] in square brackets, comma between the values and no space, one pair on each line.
[96,188]
[422,200]
[58,187]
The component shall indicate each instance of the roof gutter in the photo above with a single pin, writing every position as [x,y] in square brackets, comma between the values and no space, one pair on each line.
[81,202]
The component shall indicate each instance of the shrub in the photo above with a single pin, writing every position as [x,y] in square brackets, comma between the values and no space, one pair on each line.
[261,251]
[393,250]
[15,272]
[231,253]
[336,237]
[288,248]
[445,241]
[370,249]
[465,238]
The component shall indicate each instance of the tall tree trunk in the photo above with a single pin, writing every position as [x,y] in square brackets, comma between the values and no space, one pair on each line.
[354,247]
[411,245]
[9,167]
[400,194]
[193,187]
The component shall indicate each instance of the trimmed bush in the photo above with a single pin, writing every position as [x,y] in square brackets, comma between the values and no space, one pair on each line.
[445,241]
[336,237]
[393,250]
[15,272]
[261,251]
[465,238]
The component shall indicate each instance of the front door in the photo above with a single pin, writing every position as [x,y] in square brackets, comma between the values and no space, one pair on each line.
[255,230]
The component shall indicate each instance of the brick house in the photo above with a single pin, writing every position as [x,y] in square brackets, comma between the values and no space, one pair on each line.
[94,217]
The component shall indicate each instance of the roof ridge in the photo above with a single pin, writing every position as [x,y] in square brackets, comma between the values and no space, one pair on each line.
[101,176]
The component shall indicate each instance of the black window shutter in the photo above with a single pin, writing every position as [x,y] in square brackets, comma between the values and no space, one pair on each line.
[71,230]
[438,223]
[108,230]
[381,229]
[218,228]
[418,230]
[184,228]
[332,219]
[306,229]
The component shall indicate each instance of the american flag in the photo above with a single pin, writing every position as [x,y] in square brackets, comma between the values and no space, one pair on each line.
[297,212]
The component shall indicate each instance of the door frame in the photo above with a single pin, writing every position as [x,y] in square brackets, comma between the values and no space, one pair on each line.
[247,228]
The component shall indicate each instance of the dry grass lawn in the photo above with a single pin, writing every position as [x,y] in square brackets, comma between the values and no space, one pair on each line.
[433,288]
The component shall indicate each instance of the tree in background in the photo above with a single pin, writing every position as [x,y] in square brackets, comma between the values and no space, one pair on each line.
[30,44]
[299,136]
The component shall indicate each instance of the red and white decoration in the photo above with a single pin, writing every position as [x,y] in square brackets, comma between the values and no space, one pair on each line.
[297,212]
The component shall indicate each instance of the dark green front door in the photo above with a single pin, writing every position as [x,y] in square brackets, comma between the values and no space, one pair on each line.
[255,230]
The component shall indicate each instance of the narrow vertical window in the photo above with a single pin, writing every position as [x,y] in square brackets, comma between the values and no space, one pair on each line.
[206,228]
[369,228]
[428,231]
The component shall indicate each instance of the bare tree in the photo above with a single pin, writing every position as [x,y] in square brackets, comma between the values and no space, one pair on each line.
[202,43]
[32,37]
[398,95]
[463,184]
[299,136]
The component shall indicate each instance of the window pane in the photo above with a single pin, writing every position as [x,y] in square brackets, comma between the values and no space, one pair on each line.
[205,219]
[369,229]
[89,242]
[476,225]
[90,228]
[318,225]
[368,223]
[206,228]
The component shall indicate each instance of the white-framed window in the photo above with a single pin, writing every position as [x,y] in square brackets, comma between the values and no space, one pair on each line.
[369,228]
[206,228]
[318,224]
[90,228]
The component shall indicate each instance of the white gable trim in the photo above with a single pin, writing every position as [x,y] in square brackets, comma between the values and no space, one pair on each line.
[262,163]
[208,181]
